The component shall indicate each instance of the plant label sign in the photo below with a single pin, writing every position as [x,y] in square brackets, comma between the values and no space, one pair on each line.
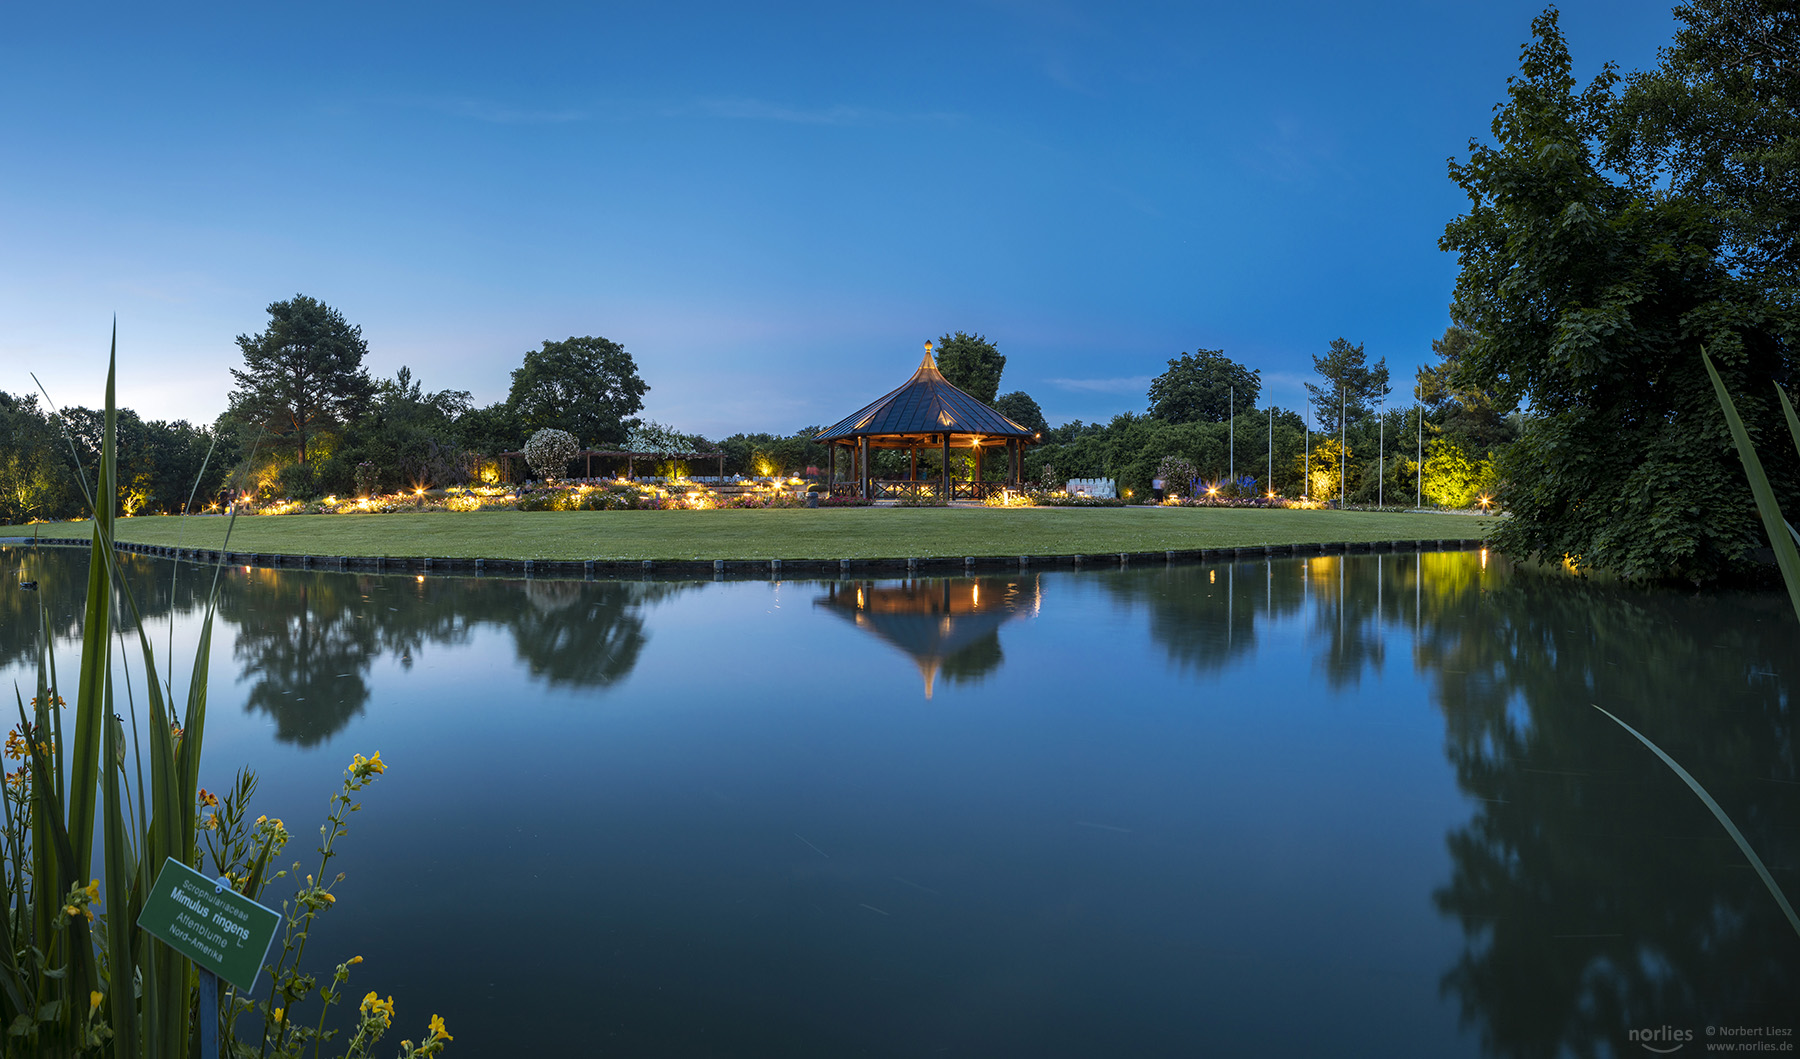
[211,924]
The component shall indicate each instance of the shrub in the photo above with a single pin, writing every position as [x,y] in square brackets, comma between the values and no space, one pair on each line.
[549,451]
[368,477]
[299,481]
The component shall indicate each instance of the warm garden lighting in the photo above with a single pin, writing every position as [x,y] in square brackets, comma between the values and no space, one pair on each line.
[1485,502]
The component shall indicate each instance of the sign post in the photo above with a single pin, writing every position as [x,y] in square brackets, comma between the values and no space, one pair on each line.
[224,933]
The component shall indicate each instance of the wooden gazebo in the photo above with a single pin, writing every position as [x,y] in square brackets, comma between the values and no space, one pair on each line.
[928,412]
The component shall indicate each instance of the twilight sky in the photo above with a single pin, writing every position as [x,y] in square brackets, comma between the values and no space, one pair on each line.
[771,208]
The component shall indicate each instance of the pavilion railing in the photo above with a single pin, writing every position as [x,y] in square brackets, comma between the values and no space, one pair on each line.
[920,489]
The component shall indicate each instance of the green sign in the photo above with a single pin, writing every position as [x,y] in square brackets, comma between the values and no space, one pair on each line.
[210,923]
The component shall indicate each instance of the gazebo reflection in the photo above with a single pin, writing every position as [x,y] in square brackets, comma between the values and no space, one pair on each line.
[948,626]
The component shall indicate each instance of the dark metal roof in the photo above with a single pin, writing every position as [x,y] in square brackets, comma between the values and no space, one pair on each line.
[927,404]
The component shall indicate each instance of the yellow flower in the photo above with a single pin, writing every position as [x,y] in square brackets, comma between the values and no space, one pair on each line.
[438,1033]
[278,1013]
[329,897]
[94,999]
[207,799]
[93,890]
[375,1007]
[356,959]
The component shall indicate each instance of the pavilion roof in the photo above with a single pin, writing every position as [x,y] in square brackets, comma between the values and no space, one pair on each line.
[928,403]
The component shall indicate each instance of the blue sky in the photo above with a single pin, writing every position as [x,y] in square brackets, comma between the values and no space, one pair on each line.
[771,207]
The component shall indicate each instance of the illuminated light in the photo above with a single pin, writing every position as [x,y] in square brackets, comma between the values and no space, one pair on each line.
[928,347]
[1484,558]
[1212,577]
[246,569]
[420,579]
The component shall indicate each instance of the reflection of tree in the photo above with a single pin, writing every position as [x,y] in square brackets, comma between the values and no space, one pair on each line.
[1596,893]
[305,644]
[949,626]
[61,576]
[1207,616]
[308,639]
[584,634]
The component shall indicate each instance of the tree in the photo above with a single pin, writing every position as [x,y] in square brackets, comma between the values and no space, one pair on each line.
[1590,299]
[1719,121]
[972,364]
[586,386]
[1199,387]
[1021,409]
[491,430]
[1352,385]
[303,373]
[1464,412]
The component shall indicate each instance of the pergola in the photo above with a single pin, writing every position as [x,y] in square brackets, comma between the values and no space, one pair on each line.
[630,459]
[928,412]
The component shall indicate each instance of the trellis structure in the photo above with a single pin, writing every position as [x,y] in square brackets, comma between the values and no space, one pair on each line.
[928,412]
[630,459]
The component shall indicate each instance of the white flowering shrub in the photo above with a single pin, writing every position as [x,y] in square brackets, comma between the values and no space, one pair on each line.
[549,452]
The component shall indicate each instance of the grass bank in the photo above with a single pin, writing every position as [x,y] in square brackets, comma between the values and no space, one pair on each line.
[843,533]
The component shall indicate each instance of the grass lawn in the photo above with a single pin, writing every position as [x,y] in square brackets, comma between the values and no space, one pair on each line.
[841,533]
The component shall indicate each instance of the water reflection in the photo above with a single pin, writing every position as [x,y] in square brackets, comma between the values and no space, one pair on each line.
[306,641]
[1596,894]
[950,627]
[1578,890]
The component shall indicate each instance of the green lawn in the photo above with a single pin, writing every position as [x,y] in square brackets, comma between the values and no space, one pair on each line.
[841,533]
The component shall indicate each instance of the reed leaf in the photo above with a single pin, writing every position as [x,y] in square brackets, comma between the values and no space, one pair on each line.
[1781,535]
[1737,836]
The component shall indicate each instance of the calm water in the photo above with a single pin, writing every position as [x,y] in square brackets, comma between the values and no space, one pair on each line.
[1354,806]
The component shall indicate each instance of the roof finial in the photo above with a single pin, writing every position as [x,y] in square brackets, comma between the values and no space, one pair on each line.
[928,362]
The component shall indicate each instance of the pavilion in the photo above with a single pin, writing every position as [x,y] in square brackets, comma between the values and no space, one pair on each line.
[928,412]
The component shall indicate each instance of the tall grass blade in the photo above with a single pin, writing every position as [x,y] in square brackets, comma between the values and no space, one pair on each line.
[1719,813]
[96,641]
[1781,537]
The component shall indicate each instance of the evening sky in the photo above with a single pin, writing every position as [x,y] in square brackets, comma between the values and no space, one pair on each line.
[771,207]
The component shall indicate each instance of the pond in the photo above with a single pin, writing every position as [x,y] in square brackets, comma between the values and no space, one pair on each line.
[1356,805]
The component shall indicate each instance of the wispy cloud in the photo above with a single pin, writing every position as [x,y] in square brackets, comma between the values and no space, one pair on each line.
[1292,153]
[1125,384]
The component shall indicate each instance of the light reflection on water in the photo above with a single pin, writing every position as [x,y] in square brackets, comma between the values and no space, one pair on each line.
[1356,805]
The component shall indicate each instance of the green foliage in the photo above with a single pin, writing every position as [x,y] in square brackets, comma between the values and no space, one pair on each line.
[1021,409]
[1589,297]
[1323,468]
[761,454]
[1130,447]
[35,474]
[1352,385]
[1179,476]
[491,430]
[1199,387]
[1454,478]
[1719,122]
[1465,412]
[587,386]
[302,374]
[972,364]
[299,481]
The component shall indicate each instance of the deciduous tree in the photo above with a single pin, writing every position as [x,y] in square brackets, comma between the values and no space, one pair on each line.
[1590,299]
[972,364]
[587,386]
[1204,386]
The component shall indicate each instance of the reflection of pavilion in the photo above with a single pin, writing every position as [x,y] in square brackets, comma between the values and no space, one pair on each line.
[949,626]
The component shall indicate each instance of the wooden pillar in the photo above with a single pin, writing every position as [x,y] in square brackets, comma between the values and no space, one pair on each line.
[912,453]
[590,463]
[830,467]
[863,476]
[948,495]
